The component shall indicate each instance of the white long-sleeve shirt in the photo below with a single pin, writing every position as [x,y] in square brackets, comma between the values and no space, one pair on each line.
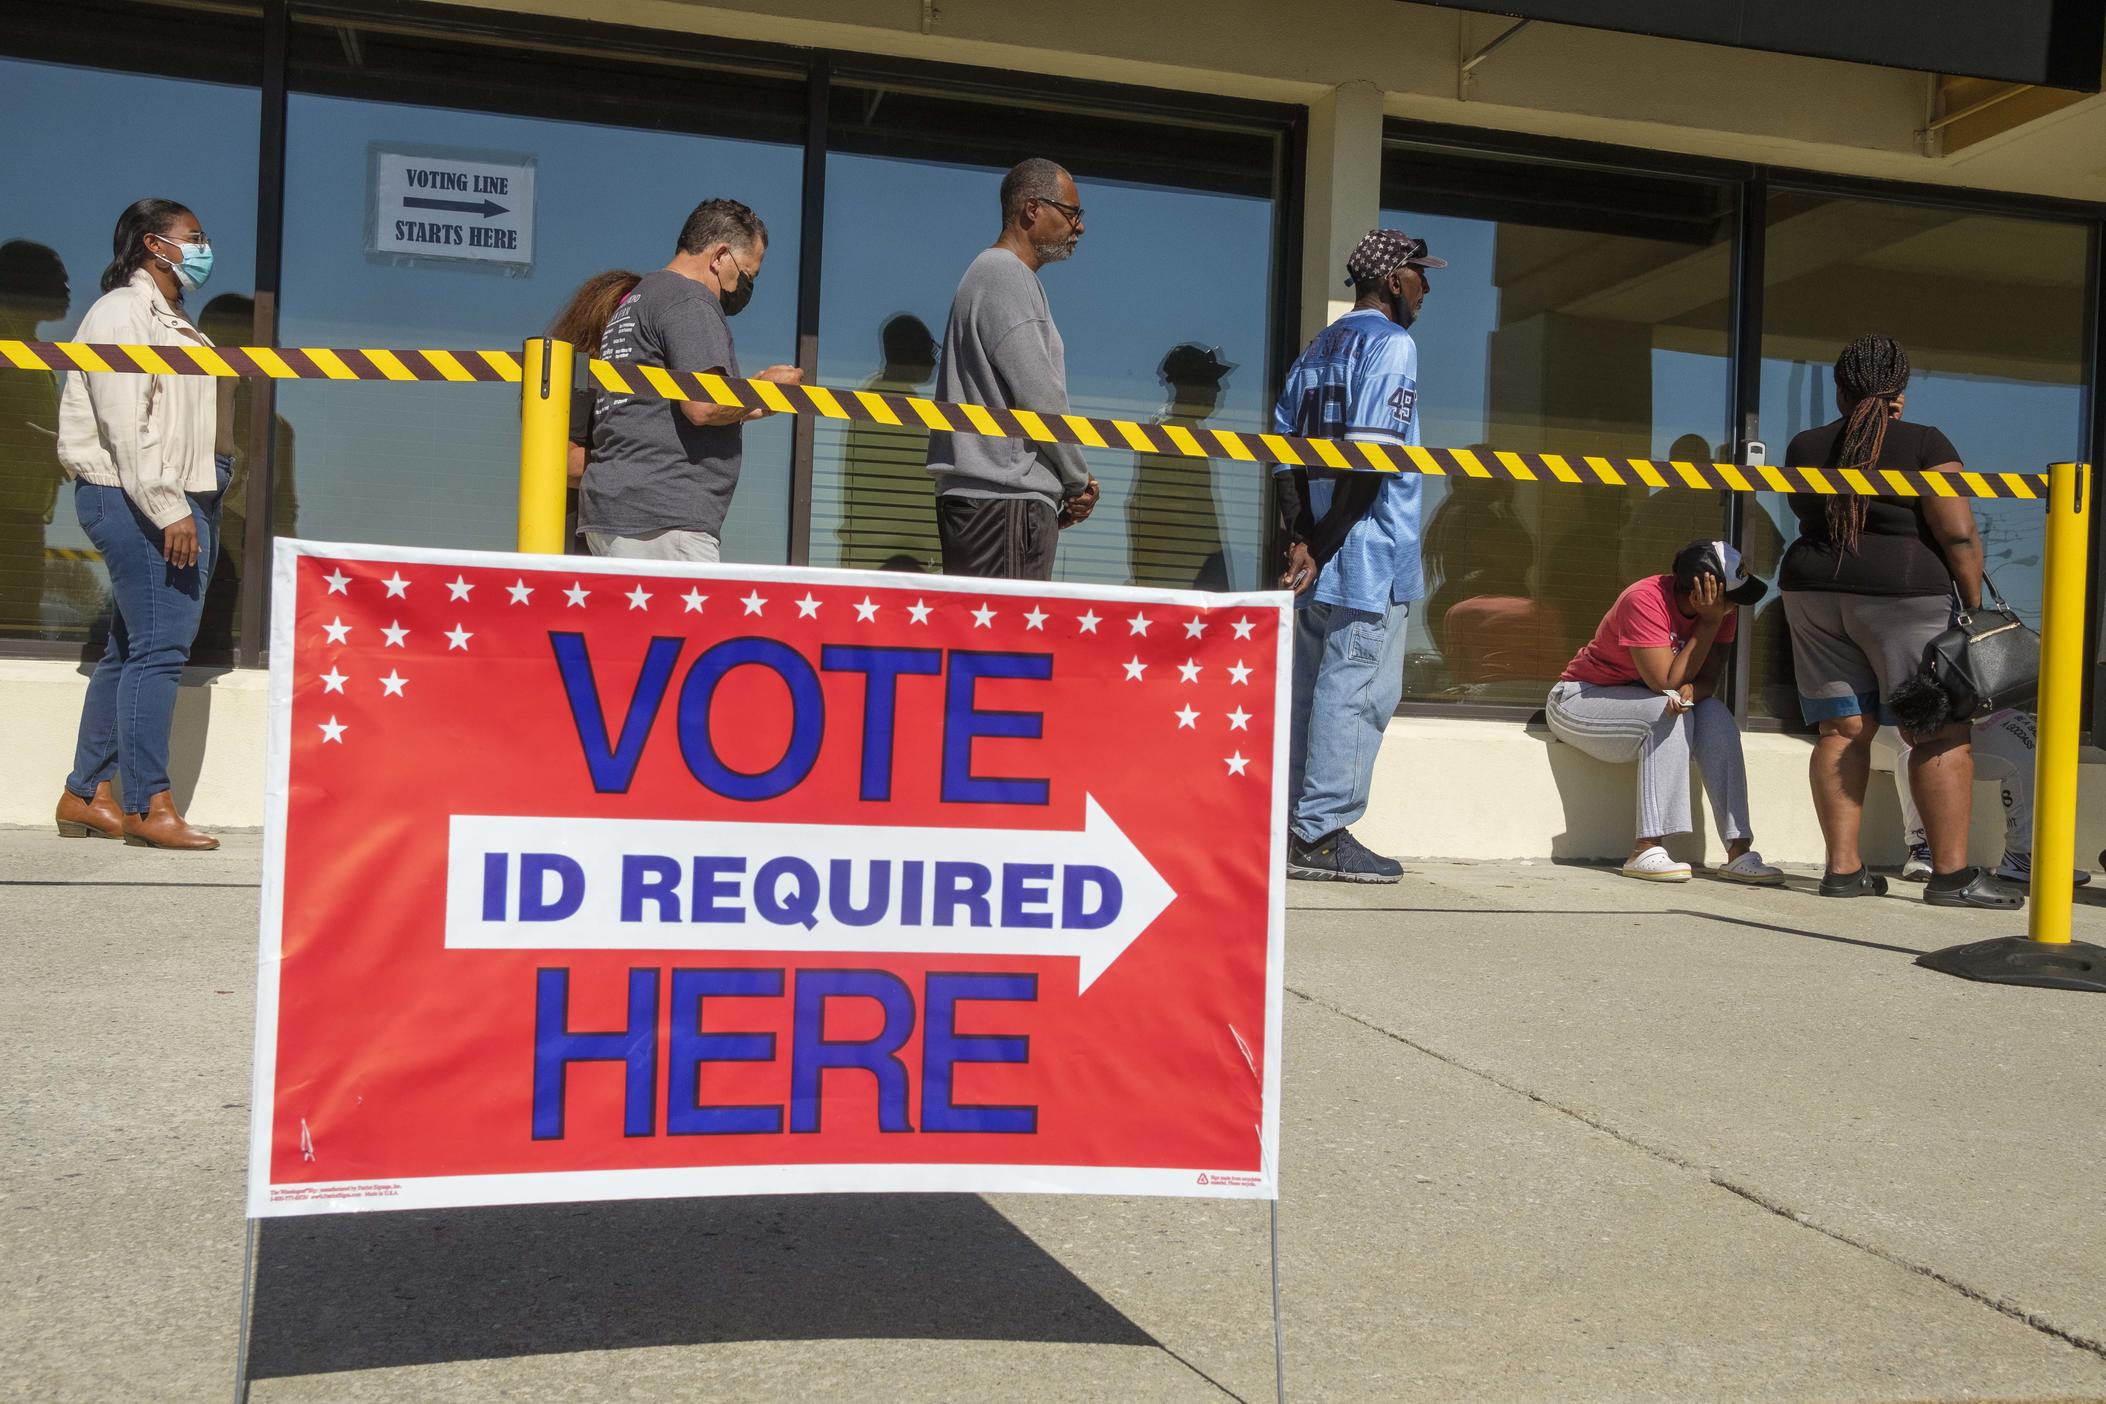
[152,435]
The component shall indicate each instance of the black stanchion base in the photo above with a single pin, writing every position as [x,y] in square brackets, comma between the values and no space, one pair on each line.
[2014,960]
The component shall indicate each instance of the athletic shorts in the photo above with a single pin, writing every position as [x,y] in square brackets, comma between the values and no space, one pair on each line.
[1849,652]
[1002,538]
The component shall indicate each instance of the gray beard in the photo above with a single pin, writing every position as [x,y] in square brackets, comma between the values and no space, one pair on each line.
[1054,253]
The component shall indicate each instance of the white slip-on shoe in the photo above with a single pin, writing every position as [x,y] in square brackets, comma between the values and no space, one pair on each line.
[1654,865]
[1750,868]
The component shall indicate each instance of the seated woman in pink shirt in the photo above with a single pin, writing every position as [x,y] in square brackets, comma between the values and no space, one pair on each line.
[1642,689]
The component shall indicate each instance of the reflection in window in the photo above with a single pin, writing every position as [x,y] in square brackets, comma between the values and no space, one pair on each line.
[912,182]
[85,170]
[437,464]
[1582,312]
[1991,311]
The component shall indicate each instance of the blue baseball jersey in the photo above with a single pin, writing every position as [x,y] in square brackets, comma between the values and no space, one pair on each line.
[1360,380]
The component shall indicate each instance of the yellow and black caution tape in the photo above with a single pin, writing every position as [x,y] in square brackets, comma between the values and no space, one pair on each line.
[1087,431]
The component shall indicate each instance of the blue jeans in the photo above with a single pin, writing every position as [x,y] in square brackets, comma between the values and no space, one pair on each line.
[1348,676]
[124,722]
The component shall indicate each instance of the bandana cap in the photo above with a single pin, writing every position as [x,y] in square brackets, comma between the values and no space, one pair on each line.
[1382,252]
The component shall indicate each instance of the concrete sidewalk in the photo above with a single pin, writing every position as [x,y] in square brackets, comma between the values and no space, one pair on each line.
[1548,1134]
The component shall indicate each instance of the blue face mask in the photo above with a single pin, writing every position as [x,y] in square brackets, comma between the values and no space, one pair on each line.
[196,266]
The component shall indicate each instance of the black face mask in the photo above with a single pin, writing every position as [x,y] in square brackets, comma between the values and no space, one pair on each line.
[734,298]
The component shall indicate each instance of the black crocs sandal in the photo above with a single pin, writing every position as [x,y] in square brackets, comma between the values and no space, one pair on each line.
[1858,884]
[1971,887]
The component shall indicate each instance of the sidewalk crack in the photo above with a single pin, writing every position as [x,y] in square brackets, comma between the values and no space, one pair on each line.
[2017,1313]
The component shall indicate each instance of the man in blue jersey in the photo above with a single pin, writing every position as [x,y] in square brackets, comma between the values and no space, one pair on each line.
[1352,555]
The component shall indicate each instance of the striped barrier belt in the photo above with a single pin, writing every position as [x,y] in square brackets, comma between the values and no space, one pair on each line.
[1087,431]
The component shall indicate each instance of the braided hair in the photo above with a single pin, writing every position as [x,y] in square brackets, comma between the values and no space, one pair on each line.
[1868,375]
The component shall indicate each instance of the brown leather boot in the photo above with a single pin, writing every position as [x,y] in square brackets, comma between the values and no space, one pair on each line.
[162,827]
[90,818]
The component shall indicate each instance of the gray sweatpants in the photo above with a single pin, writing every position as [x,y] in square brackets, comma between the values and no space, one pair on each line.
[1620,724]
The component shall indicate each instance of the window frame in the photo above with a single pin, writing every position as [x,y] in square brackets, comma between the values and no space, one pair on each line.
[1754,182]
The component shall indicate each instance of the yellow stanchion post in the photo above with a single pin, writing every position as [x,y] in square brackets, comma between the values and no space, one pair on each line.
[544,443]
[2047,954]
[2061,700]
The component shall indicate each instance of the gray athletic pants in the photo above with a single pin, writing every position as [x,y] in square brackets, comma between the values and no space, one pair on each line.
[1620,724]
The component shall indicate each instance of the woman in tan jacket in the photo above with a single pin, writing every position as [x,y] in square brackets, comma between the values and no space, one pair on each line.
[148,463]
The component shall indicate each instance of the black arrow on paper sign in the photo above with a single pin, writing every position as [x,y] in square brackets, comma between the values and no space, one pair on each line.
[485,208]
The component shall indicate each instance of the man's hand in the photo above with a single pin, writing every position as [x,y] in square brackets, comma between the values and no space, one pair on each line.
[179,543]
[1078,508]
[780,375]
[1301,568]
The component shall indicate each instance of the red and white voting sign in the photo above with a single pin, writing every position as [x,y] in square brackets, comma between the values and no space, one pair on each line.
[600,879]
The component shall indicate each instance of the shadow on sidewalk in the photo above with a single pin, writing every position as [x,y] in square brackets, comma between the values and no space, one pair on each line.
[366,1291]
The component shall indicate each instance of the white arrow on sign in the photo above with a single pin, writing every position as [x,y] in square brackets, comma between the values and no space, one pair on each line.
[526,883]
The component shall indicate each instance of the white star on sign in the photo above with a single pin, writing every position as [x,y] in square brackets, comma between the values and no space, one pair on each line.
[333,681]
[1134,668]
[639,597]
[920,612]
[983,617]
[391,685]
[397,587]
[1035,619]
[808,607]
[1139,625]
[520,591]
[332,730]
[1089,621]
[457,638]
[338,581]
[1186,716]
[694,600]
[1243,628]
[1239,720]
[866,611]
[1190,670]
[337,631]
[1237,673]
[753,602]
[1195,627]
[458,587]
[396,634]
[1236,763]
[577,594]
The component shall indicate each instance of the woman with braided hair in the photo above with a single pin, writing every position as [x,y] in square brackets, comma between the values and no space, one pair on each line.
[1869,582]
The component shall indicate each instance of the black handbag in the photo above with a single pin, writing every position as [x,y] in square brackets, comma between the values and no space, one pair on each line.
[1986,661]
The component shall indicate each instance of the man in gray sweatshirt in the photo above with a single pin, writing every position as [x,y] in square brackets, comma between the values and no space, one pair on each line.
[1001,503]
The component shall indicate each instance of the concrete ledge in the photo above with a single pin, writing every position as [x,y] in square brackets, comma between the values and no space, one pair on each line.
[215,750]
[1443,788]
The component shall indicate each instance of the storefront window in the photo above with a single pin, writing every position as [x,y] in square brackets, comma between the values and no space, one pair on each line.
[437,464]
[1991,311]
[1166,311]
[1582,311]
[84,170]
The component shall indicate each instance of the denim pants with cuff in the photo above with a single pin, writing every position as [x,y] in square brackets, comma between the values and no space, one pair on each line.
[130,706]
[1348,677]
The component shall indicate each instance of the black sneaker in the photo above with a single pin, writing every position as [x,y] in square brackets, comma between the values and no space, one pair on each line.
[1339,857]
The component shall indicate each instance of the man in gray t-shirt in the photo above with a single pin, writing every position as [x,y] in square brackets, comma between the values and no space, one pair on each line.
[1001,502]
[660,473]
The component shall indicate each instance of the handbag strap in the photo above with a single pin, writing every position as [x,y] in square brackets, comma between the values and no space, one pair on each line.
[1964,617]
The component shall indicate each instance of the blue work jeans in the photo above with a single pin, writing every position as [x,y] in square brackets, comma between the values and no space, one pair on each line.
[1348,675]
[124,722]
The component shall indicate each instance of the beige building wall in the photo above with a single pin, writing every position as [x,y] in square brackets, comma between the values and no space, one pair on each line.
[1555,80]
[1444,788]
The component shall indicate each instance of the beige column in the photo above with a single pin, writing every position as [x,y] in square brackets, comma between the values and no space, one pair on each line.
[1342,196]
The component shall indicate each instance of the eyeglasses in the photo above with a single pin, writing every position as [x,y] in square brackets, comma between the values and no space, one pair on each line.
[1073,212]
[197,238]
